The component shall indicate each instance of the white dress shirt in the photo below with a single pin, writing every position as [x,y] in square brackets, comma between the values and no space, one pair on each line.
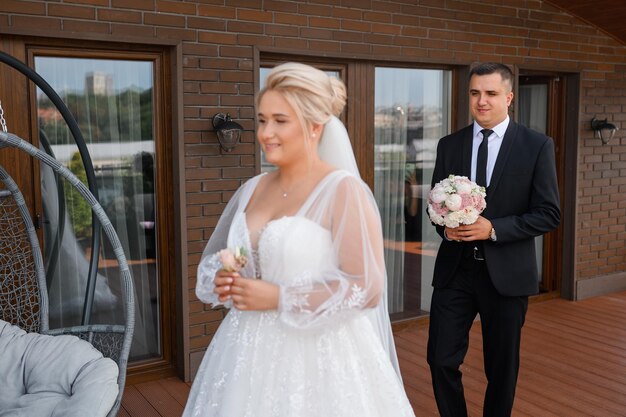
[494,142]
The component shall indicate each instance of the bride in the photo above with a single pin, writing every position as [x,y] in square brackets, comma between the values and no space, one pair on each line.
[308,331]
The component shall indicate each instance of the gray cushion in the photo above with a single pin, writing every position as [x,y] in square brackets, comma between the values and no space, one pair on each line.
[53,376]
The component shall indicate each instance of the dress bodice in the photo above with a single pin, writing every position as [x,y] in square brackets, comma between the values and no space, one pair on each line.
[292,247]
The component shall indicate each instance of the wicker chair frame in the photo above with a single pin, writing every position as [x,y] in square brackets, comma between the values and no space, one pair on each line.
[23,289]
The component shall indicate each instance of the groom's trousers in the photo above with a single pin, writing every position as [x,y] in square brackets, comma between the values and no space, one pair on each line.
[453,311]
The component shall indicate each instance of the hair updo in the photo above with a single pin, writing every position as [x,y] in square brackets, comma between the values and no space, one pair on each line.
[314,95]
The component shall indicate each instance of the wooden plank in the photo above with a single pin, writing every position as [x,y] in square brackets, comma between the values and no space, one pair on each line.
[583,318]
[122,412]
[582,354]
[581,376]
[136,404]
[160,398]
[527,407]
[584,402]
[178,389]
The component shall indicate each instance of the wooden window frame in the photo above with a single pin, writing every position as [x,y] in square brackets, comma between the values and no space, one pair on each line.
[165,364]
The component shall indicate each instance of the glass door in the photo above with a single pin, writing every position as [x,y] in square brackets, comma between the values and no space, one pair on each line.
[412,112]
[113,103]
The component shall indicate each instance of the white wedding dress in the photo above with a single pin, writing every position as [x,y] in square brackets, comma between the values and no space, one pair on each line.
[260,364]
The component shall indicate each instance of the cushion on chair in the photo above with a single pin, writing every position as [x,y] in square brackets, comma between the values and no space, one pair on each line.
[53,376]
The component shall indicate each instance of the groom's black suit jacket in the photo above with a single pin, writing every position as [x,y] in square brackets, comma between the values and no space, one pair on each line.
[522,202]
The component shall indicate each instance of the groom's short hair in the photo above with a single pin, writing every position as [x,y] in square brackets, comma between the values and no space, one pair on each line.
[487,68]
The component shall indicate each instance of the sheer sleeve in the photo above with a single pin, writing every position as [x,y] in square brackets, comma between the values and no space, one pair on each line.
[207,269]
[355,279]
[222,238]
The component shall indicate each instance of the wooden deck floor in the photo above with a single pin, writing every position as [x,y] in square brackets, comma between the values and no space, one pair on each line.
[573,365]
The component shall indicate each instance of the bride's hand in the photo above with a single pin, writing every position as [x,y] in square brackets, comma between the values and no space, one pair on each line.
[223,281]
[254,294]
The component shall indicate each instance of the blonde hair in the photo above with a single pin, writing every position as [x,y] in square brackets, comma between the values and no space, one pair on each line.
[314,95]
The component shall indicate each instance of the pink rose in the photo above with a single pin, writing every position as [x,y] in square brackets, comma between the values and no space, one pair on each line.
[228,260]
[232,262]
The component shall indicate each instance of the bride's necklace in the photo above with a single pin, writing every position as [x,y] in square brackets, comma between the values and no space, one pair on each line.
[297,184]
[286,191]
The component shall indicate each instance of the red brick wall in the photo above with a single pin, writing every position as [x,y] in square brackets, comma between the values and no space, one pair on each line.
[601,199]
[218,39]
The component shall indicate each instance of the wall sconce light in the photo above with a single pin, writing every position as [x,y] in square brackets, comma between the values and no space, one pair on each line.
[603,129]
[228,132]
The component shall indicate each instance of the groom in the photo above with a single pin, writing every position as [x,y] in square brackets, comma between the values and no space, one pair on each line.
[489,267]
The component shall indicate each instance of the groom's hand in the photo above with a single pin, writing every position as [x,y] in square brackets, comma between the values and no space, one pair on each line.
[479,230]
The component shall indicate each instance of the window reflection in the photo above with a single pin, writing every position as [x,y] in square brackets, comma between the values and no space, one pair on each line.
[412,113]
[113,103]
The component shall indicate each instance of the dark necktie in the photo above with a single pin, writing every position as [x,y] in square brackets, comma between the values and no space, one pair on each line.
[481,161]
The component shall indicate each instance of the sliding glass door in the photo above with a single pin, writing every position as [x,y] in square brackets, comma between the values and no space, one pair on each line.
[112,101]
[412,112]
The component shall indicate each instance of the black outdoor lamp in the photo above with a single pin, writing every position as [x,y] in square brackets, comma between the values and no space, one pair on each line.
[228,132]
[603,129]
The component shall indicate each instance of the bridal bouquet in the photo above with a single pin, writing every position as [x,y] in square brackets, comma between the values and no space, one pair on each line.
[233,260]
[456,200]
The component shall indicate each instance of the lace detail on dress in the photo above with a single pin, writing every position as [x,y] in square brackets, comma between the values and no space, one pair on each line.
[206,274]
[296,297]
[257,266]
[356,299]
[296,302]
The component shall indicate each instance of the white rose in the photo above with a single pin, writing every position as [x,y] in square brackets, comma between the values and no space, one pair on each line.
[452,220]
[467,216]
[453,202]
[437,219]
[438,196]
[464,188]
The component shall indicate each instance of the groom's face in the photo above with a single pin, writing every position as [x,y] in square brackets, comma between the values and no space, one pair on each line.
[490,98]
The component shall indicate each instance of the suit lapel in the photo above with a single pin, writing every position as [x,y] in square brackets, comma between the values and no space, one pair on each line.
[467,151]
[507,142]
